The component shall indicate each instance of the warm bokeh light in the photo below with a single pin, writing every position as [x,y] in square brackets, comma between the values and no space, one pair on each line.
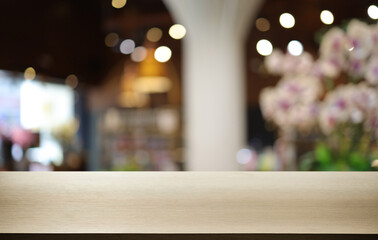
[154,34]
[131,99]
[163,54]
[118,3]
[287,20]
[111,39]
[262,24]
[326,17]
[127,46]
[139,54]
[72,81]
[264,47]
[29,73]
[373,12]
[152,84]
[295,48]
[177,31]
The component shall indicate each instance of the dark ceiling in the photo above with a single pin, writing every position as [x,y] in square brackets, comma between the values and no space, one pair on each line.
[63,37]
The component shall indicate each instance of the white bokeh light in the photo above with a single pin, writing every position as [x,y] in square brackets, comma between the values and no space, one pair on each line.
[17,152]
[243,156]
[373,12]
[295,48]
[264,47]
[127,46]
[177,31]
[163,54]
[287,20]
[326,17]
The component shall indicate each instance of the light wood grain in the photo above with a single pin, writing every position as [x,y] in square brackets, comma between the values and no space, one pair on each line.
[189,202]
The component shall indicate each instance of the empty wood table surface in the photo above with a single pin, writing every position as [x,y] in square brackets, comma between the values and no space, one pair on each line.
[189,202]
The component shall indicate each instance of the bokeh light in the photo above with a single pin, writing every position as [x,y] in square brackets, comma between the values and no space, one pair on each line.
[295,48]
[118,3]
[111,39]
[127,46]
[29,73]
[177,31]
[262,24]
[17,152]
[163,54]
[264,47]
[243,156]
[72,81]
[139,54]
[154,34]
[326,17]
[373,12]
[131,99]
[287,20]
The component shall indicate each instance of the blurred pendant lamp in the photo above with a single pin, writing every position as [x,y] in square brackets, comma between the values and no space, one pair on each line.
[152,75]
[128,97]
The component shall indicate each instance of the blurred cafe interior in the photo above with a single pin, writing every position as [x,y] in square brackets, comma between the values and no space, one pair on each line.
[188,85]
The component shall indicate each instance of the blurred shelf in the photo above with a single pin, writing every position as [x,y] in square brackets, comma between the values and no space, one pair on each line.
[154,132]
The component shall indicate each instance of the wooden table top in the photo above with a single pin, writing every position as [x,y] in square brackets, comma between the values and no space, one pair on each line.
[189,202]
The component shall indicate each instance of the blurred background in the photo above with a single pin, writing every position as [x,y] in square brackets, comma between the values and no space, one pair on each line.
[188,85]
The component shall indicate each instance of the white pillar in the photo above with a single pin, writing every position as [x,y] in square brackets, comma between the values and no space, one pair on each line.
[214,79]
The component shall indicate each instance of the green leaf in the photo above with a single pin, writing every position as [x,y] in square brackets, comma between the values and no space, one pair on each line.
[323,154]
